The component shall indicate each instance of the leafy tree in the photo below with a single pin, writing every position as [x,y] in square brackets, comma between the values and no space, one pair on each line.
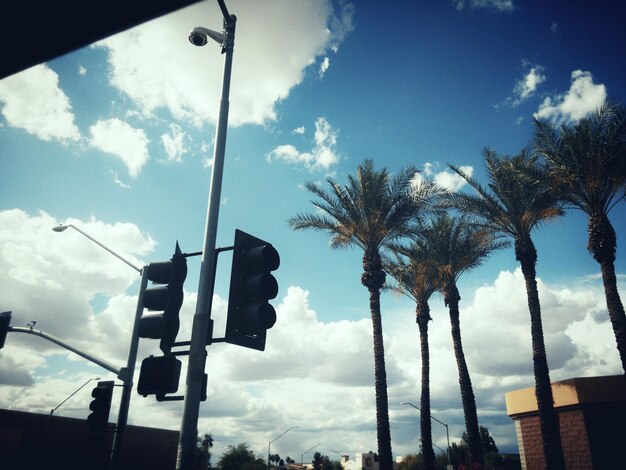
[317,461]
[411,462]
[371,210]
[518,200]
[486,441]
[415,278]
[241,458]
[588,159]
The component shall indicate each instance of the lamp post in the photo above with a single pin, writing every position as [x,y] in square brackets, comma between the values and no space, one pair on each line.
[56,408]
[202,316]
[440,422]
[62,228]
[270,443]
[126,373]
[75,392]
[304,453]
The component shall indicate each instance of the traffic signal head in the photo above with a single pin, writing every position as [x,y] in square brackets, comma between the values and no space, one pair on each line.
[251,287]
[100,407]
[159,375]
[165,296]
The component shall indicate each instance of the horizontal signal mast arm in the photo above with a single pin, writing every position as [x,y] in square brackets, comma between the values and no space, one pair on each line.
[101,362]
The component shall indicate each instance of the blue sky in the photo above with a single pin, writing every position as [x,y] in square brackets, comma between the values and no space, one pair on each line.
[116,138]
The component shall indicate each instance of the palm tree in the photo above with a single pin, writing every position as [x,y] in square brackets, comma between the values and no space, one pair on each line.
[514,204]
[416,279]
[371,210]
[453,246]
[589,160]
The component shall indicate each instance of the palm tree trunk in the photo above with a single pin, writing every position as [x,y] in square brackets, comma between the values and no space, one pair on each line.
[373,278]
[452,298]
[422,318]
[526,254]
[602,245]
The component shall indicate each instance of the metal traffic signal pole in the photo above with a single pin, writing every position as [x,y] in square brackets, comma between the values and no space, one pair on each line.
[202,316]
[127,379]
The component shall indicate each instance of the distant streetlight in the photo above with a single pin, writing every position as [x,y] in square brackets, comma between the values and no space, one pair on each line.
[62,228]
[74,393]
[304,453]
[270,443]
[440,422]
[126,373]
[59,406]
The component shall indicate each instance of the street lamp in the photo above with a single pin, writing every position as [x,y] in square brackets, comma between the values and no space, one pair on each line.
[62,228]
[202,316]
[304,453]
[440,422]
[126,373]
[60,404]
[270,443]
[75,392]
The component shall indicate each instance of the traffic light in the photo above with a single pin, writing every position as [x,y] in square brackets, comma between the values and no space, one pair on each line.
[5,321]
[159,375]
[251,286]
[166,296]
[100,407]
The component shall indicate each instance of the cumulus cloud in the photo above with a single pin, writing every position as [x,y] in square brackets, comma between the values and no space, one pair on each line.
[583,97]
[321,157]
[446,178]
[32,100]
[156,67]
[327,365]
[120,139]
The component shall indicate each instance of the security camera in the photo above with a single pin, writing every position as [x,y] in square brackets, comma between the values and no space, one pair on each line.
[199,36]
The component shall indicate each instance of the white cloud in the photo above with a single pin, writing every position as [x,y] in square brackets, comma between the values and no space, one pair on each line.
[299,130]
[583,97]
[52,277]
[554,27]
[446,178]
[526,87]
[323,155]
[157,67]
[122,140]
[495,5]
[174,143]
[33,101]
[324,66]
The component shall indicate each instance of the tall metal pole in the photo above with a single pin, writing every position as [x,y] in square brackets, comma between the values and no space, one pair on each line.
[202,316]
[269,444]
[125,374]
[128,373]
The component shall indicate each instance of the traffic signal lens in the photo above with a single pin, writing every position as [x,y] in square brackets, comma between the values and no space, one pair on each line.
[258,316]
[262,286]
[262,258]
[155,298]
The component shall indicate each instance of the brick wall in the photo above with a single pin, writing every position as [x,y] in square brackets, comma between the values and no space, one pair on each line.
[589,438]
